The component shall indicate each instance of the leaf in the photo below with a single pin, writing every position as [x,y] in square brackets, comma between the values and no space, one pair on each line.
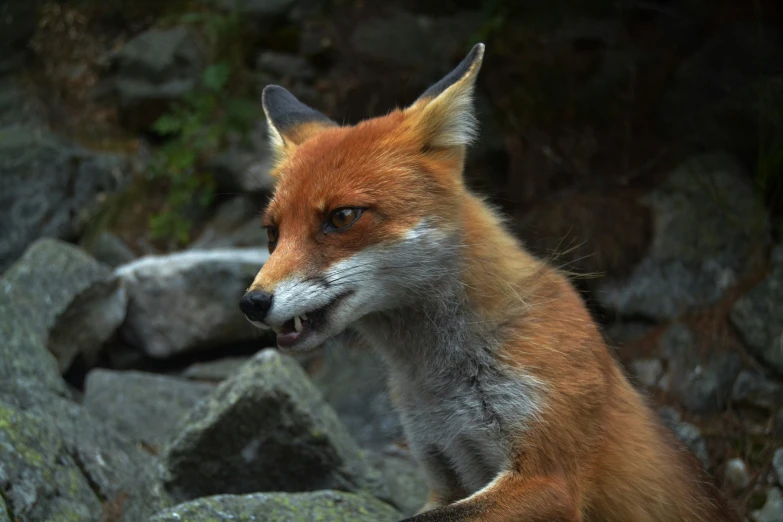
[216,76]
[167,125]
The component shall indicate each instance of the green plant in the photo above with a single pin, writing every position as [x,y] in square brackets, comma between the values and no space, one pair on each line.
[198,125]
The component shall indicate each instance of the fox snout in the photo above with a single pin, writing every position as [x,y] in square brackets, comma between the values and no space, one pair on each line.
[256,304]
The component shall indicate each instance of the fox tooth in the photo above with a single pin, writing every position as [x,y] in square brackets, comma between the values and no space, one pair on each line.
[304,317]
[297,323]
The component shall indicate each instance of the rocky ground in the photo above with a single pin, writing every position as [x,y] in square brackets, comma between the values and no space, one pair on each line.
[636,147]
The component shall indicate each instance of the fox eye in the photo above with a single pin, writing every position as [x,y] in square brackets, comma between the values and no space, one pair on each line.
[343,217]
[271,234]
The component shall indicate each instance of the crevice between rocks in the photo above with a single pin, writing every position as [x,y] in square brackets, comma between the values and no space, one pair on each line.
[96,489]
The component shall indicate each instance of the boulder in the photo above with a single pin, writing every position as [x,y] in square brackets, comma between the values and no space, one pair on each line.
[406,481]
[70,298]
[49,188]
[717,95]
[323,506]
[772,511]
[756,390]
[702,382]
[353,381]
[110,250]
[215,371]
[188,300]
[647,371]
[39,478]
[710,229]
[758,315]
[144,407]
[153,69]
[265,429]
[236,224]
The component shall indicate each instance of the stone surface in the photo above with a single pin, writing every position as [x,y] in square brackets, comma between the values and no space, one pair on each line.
[265,429]
[110,250]
[144,407]
[647,371]
[758,315]
[188,300]
[353,381]
[4,514]
[736,474]
[155,68]
[714,100]
[75,301]
[773,508]
[709,230]
[38,476]
[702,382]
[243,165]
[235,224]
[407,486]
[321,506]
[49,188]
[215,371]
[756,390]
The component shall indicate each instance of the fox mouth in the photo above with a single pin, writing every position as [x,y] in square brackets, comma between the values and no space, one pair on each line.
[300,327]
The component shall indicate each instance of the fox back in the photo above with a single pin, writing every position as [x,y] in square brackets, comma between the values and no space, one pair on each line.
[510,399]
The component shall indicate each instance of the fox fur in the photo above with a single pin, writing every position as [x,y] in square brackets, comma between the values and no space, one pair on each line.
[510,399]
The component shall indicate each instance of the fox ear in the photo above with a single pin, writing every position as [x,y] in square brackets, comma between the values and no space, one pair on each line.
[290,121]
[444,113]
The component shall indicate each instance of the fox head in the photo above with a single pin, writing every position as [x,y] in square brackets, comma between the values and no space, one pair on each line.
[366,218]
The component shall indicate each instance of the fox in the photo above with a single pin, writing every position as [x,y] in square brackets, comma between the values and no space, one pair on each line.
[510,398]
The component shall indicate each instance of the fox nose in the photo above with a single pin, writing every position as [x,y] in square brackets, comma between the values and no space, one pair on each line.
[256,304]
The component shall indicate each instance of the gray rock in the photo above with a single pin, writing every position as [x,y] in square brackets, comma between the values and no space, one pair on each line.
[243,166]
[73,300]
[756,390]
[777,463]
[353,381]
[773,508]
[758,315]
[702,383]
[236,224]
[647,371]
[406,481]
[144,407]
[622,332]
[155,68]
[690,435]
[426,44]
[736,474]
[38,476]
[188,300]
[110,250]
[215,371]
[265,429]
[17,107]
[5,516]
[715,98]
[323,506]
[49,188]
[709,229]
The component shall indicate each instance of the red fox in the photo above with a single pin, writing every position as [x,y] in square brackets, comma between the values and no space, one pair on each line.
[509,397]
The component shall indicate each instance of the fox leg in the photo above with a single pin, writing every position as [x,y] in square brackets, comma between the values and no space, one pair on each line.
[511,498]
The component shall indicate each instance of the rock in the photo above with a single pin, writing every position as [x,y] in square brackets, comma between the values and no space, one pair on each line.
[621,333]
[773,508]
[243,165]
[755,390]
[18,108]
[353,381]
[690,435]
[153,69]
[758,315]
[647,371]
[407,484]
[703,384]
[236,224]
[736,474]
[285,67]
[4,515]
[323,506]
[76,302]
[110,250]
[423,43]
[716,98]
[144,407]
[49,188]
[38,476]
[188,300]
[777,463]
[699,248]
[117,471]
[265,429]
[215,371]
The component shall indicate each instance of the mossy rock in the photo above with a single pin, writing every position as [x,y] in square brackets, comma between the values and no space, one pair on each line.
[319,506]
